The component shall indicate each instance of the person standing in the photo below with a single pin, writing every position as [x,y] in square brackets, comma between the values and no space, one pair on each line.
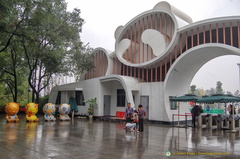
[141,114]
[231,110]
[135,118]
[129,113]
[200,109]
[195,112]
[208,109]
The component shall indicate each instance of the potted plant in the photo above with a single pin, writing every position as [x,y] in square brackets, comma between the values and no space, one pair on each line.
[92,102]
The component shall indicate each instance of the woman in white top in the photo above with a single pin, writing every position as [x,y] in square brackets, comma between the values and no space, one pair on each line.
[131,126]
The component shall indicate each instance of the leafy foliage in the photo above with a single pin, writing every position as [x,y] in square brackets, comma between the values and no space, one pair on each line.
[219,89]
[211,91]
[193,89]
[92,102]
[39,39]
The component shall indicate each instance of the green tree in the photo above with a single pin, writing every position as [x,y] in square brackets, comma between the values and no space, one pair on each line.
[193,89]
[12,69]
[219,89]
[210,91]
[236,93]
[4,94]
[82,62]
[199,92]
[48,39]
[11,19]
[49,49]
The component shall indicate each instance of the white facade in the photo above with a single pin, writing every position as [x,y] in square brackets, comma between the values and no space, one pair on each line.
[156,56]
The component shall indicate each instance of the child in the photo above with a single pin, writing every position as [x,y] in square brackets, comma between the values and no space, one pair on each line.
[131,126]
[135,118]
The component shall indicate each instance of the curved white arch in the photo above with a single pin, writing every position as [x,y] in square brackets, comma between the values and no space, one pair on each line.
[177,12]
[183,70]
[109,60]
[129,84]
[118,31]
[123,44]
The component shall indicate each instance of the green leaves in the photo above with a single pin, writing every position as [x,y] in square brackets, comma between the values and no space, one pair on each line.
[45,40]
[92,102]
[219,89]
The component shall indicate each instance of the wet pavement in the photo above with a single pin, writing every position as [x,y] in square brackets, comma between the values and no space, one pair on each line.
[81,138]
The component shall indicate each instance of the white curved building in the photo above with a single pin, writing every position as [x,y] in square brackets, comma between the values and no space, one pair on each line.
[157,54]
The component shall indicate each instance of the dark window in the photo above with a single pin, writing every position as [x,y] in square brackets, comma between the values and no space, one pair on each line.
[194,40]
[214,39]
[201,40]
[173,105]
[220,35]
[80,98]
[58,100]
[207,36]
[121,98]
[189,40]
[227,32]
[235,36]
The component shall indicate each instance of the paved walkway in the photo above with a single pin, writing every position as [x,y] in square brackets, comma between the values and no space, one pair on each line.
[81,139]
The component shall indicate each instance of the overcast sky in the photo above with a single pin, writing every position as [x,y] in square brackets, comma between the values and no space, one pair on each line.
[102,17]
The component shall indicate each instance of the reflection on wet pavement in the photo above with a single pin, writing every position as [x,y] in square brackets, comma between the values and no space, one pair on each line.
[81,138]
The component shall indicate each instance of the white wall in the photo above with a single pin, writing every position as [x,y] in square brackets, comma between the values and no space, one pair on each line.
[157,110]
[94,88]
[110,88]
[90,90]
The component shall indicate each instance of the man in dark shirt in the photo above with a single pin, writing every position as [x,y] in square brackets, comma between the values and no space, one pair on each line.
[195,112]
[232,108]
[141,114]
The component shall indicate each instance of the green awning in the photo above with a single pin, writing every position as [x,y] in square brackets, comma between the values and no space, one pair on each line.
[185,98]
[219,98]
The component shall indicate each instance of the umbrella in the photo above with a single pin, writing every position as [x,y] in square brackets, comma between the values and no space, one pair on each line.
[73,103]
[221,98]
[185,98]
[218,98]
